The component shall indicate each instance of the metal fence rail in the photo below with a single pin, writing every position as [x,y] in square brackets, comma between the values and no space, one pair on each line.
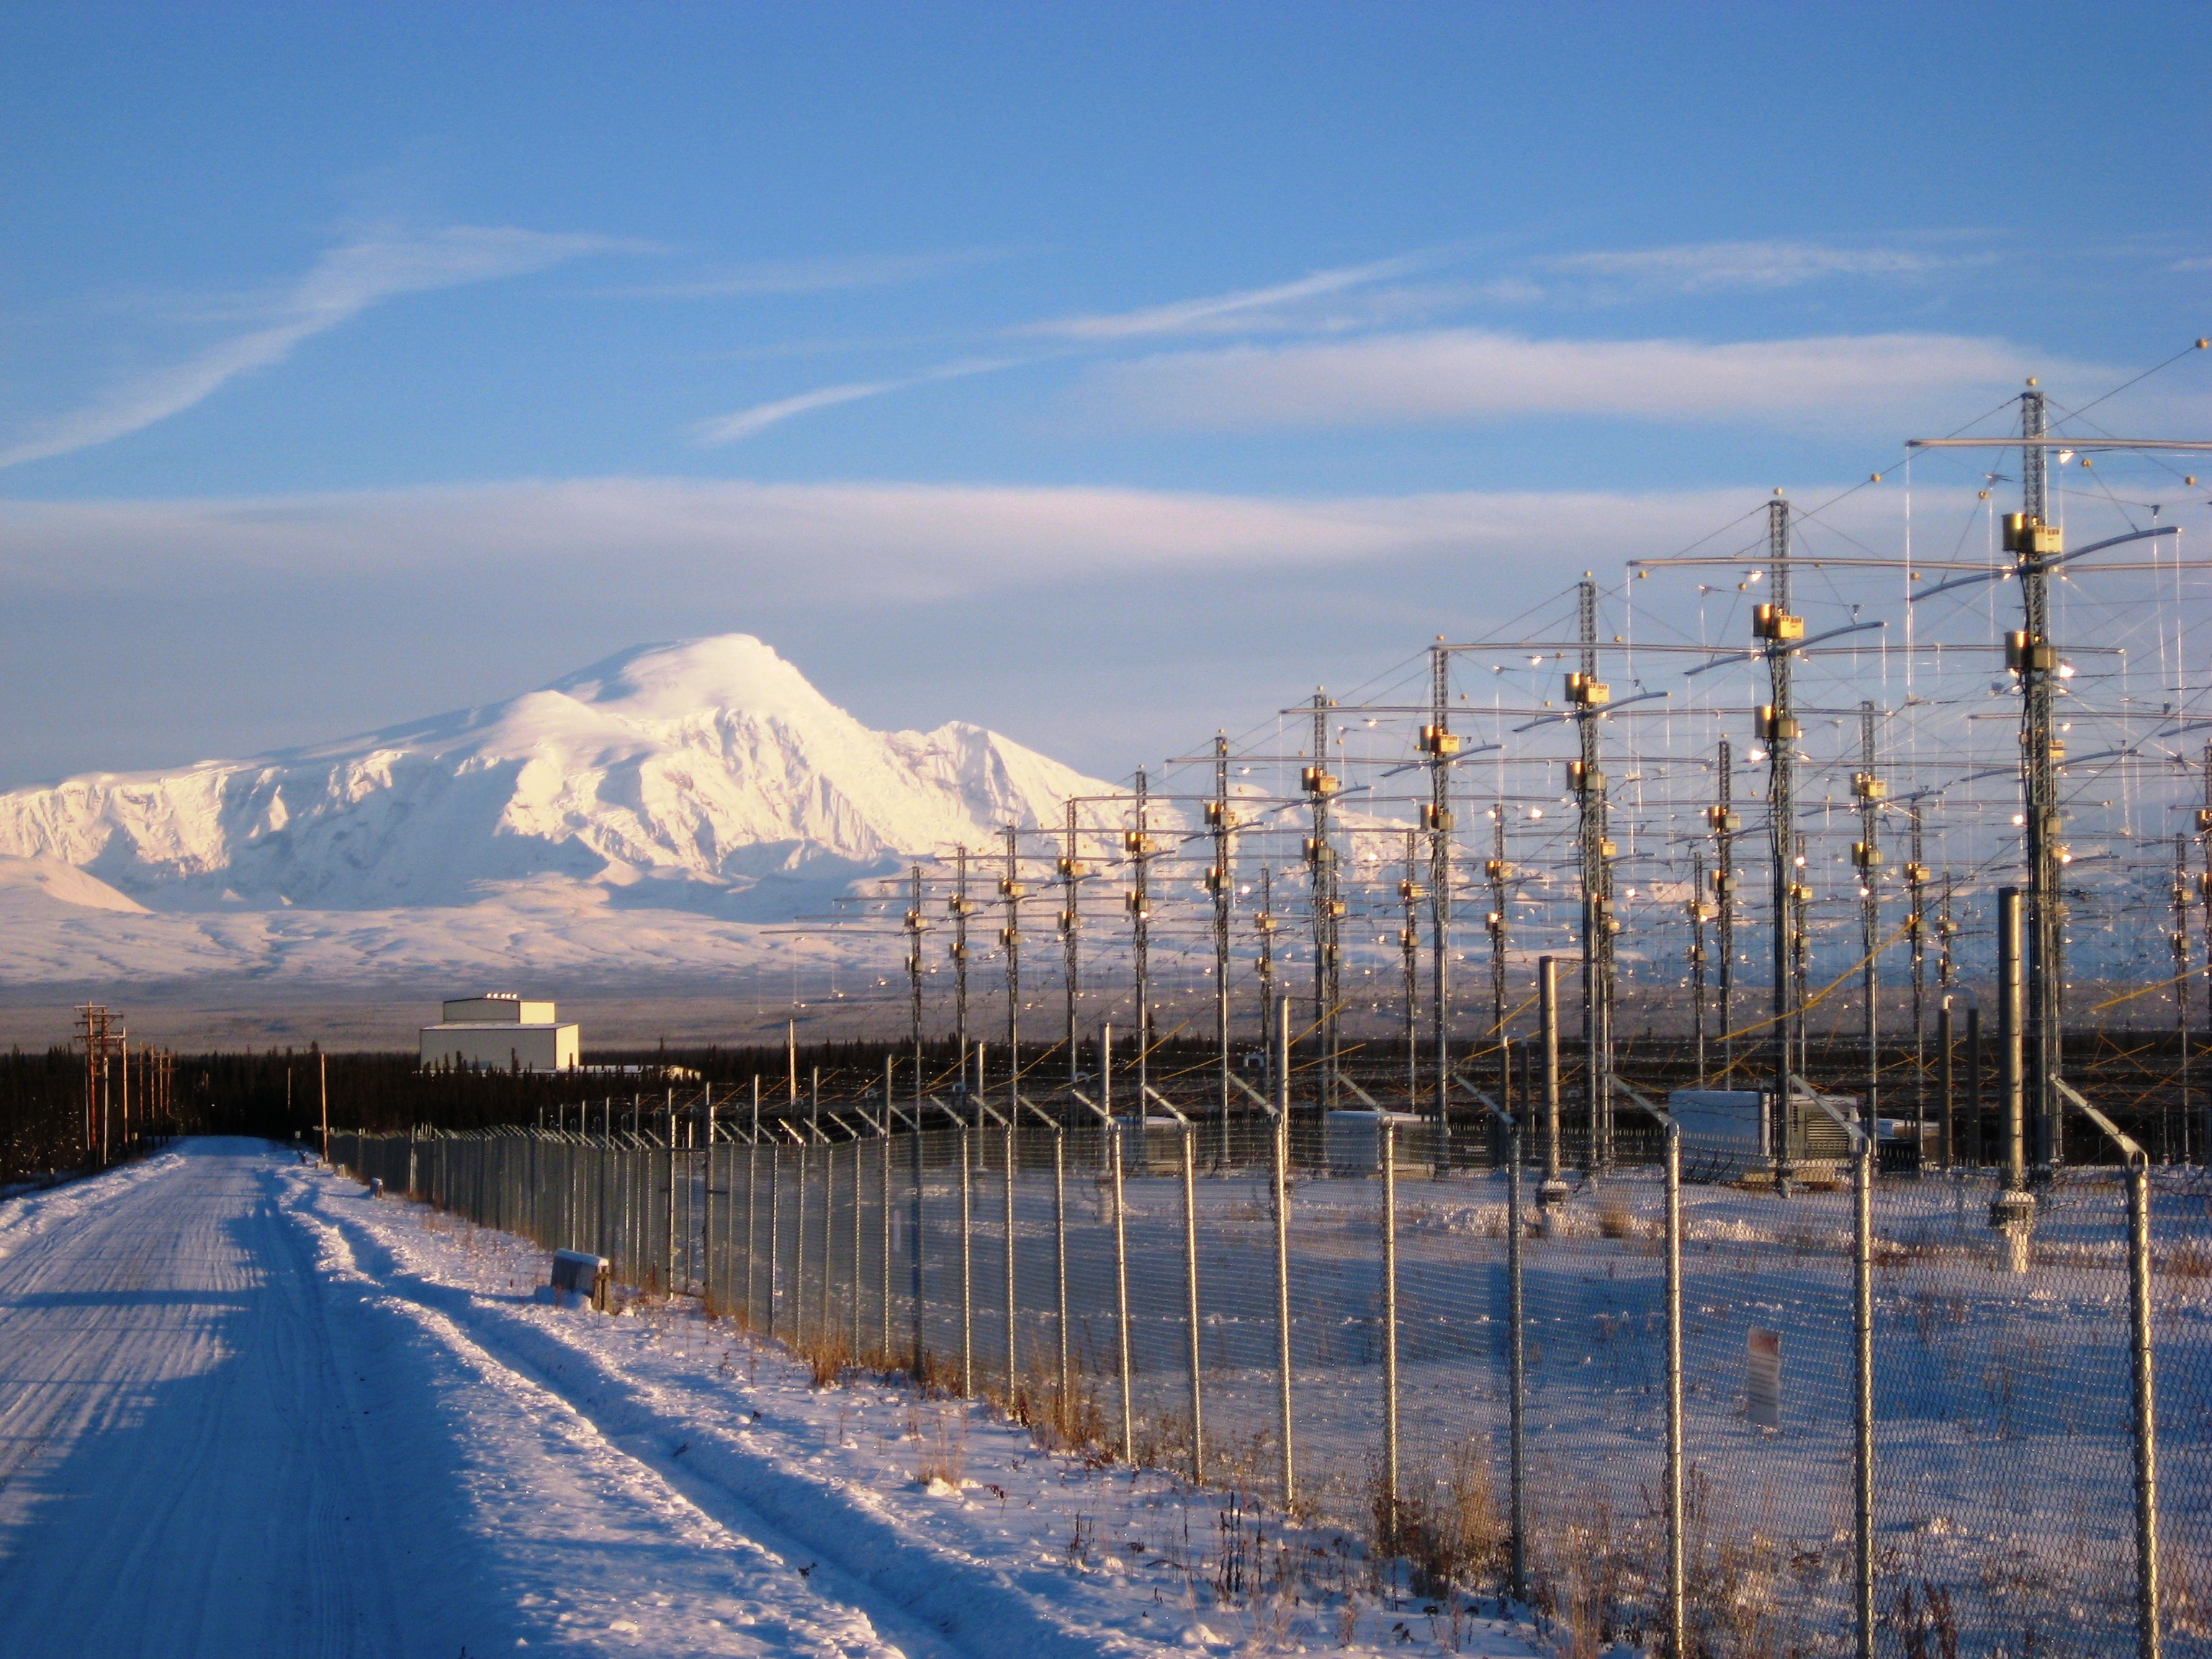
[1771,1423]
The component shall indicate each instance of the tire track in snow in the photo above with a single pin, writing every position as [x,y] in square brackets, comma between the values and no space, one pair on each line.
[765,1604]
[962,1606]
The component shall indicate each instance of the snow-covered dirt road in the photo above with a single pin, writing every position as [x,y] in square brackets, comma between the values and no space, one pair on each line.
[246,1410]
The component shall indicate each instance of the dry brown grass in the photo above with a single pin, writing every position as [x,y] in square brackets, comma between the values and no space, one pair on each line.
[944,1448]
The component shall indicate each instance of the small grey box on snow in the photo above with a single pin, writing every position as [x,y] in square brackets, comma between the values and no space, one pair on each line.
[575,1273]
[1762,1378]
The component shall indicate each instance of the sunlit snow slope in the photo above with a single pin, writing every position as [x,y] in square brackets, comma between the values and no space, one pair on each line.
[707,774]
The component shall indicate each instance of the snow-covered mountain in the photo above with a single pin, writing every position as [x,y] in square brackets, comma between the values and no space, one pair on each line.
[707,775]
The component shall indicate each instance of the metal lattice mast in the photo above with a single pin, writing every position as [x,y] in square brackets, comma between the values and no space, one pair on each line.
[1010,891]
[1725,823]
[917,924]
[1916,928]
[1496,872]
[1700,912]
[1220,883]
[1441,745]
[1410,894]
[1589,695]
[1320,784]
[1137,846]
[1779,630]
[960,907]
[1070,870]
[1264,924]
[1866,856]
[2034,543]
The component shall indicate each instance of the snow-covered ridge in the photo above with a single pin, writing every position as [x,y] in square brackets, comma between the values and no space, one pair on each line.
[704,773]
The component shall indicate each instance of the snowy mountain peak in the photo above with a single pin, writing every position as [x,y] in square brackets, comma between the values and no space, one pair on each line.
[702,774]
[675,680]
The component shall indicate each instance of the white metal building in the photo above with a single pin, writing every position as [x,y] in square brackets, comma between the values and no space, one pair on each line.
[499,1031]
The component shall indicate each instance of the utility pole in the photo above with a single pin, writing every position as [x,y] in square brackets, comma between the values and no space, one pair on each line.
[1589,696]
[1722,819]
[1071,922]
[1136,845]
[1011,890]
[1320,784]
[1773,623]
[1220,883]
[1442,746]
[1866,856]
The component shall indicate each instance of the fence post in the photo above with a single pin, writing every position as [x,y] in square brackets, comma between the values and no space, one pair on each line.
[1120,1243]
[1950,1140]
[1517,1363]
[1190,1286]
[1060,1269]
[2013,1211]
[1387,1142]
[824,1327]
[1553,1191]
[1863,1378]
[859,1240]
[1013,1348]
[774,1228]
[2148,1638]
[884,1221]
[1676,1578]
[918,1216]
[967,1266]
[1282,1138]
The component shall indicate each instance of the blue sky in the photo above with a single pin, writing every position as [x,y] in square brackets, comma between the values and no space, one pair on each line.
[1104,373]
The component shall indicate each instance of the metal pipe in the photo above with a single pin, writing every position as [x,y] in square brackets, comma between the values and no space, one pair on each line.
[916,1218]
[1949,1141]
[1386,1146]
[1120,1245]
[1676,1577]
[1282,1140]
[1014,1344]
[1977,1147]
[884,1222]
[1516,1364]
[2148,1637]
[2013,1211]
[1863,1381]
[967,1265]
[1190,1290]
[1060,1271]
[774,1228]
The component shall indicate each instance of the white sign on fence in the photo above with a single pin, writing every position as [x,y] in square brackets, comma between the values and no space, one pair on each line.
[1762,1378]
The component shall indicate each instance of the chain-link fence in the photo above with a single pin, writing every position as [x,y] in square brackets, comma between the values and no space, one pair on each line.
[1779,1418]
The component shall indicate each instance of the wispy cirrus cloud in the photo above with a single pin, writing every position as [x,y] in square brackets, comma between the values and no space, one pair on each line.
[744,423]
[344,282]
[1279,307]
[1449,376]
[1706,267]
